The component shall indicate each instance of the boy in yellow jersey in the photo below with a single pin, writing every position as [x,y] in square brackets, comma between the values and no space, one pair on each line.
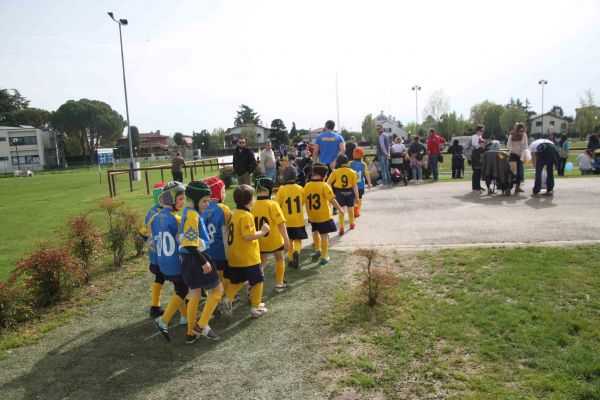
[318,198]
[361,169]
[198,270]
[290,198]
[266,211]
[243,252]
[344,182]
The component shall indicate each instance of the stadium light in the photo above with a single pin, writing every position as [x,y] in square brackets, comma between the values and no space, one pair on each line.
[416,88]
[543,83]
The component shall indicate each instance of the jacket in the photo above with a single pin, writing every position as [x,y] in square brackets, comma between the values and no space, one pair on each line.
[244,161]
[494,164]
[386,143]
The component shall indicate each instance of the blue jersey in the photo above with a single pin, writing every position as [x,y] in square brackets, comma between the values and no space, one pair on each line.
[151,252]
[217,217]
[164,227]
[192,231]
[329,146]
[360,168]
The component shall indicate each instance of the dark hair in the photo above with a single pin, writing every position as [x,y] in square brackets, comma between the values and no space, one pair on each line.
[563,139]
[379,125]
[432,130]
[455,143]
[242,195]
[493,137]
[479,127]
[320,169]
[330,125]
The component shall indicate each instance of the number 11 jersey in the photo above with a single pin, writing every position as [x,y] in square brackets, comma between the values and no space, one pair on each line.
[317,195]
[290,198]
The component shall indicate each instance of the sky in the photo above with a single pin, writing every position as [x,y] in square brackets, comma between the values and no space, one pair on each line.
[190,64]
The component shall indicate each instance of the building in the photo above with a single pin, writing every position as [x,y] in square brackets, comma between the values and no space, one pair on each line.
[150,143]
[391,126]
[551,123]
[233,134]
[27,148]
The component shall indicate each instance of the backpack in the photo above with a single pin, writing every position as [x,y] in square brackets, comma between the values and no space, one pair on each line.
[562,152]
[468,152]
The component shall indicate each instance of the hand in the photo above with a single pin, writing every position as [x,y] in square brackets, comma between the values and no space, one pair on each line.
[286,244]
[388,157]
[341,211]
[265,229]
[206,268]
[369,186]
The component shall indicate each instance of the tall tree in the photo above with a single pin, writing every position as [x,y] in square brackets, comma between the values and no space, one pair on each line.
[246,116]
[558,111]
[217,138]
[202,140]
[10,101]
[35,117]
[178,139]
[279,134]
[509,117]
[293,131]
[491,120]
[585,120]
[135,136]
[479,110]
[437,105]
[368,129]
[249,133]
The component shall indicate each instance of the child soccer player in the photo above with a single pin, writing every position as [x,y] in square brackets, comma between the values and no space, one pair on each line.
[164,227]
[266,211]
[361,169]
[243,252]
[197,269]
[290,198]
[159,278]
[344,182]
[318,197]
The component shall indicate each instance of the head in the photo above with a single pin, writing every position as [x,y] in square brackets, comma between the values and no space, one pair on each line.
[455,143]
[358,153]
[268,145]
[341,161]
[492,137]
[156,191]
[241,143]
[398,140]
[217,189]
[519,128]
[352,139]
[172,195]
[564,138]
[415,139]
[431,132]
[588,152]
[197,194]
[319,171]
[243,196]
[178,154]
[290,173]
[480,128]
[329,125]
[379,129]
[264,186]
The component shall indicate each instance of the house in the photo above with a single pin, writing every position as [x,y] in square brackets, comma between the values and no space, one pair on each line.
[25,147]
[551,123]
[150,143]
[391,126]
[233,134]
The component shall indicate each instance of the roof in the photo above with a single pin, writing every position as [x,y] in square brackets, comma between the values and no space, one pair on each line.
[152,134]
[551,114]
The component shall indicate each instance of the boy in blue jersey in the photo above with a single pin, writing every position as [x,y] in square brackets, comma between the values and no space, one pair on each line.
[164,227]
[159,278]
[360,167]
[197,268]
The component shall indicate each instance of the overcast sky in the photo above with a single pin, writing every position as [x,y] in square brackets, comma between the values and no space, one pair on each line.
[189,66]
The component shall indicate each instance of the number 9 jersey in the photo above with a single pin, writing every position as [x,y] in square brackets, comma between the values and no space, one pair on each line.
[317,195]
[216,217]
[164,227]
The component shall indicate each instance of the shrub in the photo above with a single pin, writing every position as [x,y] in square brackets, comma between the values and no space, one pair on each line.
[15,305]
[48,274]
[4,304]
[85,241]
[376,279]
[139,243]
[121,226]
[226,174]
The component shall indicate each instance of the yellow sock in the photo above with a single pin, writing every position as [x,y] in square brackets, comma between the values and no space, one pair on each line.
[174,304]
[192,313]
[359,204]
[317,241]
[183,309]
[297,245]
[209,308]
[256,294]
[224,281]
[351,215]
[324,246]
[279,271]
[156,293]
[233,289]
[290,253]
[341,220]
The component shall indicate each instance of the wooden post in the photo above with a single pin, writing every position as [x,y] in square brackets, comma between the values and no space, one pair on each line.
[110,192]
[203,167]
[162,177]
[112,176]
[147,183]
[192,173]
[131,181]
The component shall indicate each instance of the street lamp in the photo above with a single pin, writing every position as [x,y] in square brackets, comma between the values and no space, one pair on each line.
[16,142]
[123,22]
[416,88]
[543,83]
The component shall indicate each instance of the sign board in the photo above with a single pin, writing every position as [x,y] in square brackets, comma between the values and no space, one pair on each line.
[105,156]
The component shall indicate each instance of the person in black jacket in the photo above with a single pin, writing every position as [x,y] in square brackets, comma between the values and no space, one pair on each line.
[244,163]
[458,160]
[476,165]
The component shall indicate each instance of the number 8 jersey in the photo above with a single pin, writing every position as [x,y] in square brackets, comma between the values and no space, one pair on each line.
[216,217]
[164,227]
[317,195]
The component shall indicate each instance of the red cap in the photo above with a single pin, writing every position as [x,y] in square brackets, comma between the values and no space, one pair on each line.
[216,187]
[158,185]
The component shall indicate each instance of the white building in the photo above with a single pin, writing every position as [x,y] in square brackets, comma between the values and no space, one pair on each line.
[391,126]
[552,123]
[233,134]
[26,147]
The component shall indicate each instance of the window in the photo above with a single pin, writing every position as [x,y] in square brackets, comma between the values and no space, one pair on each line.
[24,160]
[2,139]
[3,158]
[23,140]
[552,123]
[538,123]
[387,129]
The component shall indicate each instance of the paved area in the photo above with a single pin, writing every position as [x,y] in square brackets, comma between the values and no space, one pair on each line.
[449,215]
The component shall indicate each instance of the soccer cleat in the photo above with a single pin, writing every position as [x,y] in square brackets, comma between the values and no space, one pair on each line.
[352,226]
[183,320]
[341,232]
[324,261]
[518,189]
[162,328]
[257,312]
[296,260]
[235,300]
[226,307]
[282,287]
[206,333]
[356,212]
[290,263]
[316,255]
[156,312]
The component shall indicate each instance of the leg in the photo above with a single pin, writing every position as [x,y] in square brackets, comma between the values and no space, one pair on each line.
[192,309]
[211,304]
[316,242]
[279,268]
[550,176]
[538,176]
[324,247]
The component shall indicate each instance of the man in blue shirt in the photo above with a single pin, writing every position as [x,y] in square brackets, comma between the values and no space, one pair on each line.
[328,146]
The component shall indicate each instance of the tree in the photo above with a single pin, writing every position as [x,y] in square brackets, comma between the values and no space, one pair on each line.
[437,104]
[202,140]
[178,139]
[135,136]
[246,116]
[11,100]
[293,131]
[217,138]
[35,117]
[449,125]
[585,120]
[491,120]
[558,111]
[249,133]
[509,117]
[368,129]
[279,134]
[479,110]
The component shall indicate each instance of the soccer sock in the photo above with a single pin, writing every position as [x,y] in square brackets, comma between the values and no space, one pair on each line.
[224,281]
[290,253]
[298,245]
[192,313]
[183,309]
[174,304]
[324,246]
[156,293]
[279,271]
[256,294]
[233,289]
[317,241]
[359,204]
[341,220]
[351,215]
[209,308]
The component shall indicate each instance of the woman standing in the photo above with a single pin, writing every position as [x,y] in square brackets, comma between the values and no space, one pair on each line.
[517,145]
[268,164]
[417,151]
[458,160]
[564,146]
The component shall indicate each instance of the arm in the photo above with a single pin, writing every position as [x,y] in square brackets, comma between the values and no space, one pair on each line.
[509,145]
[368,176]
[315,154]
[257,235]
[342,147]
[286,239]
[334,203]
[355,190]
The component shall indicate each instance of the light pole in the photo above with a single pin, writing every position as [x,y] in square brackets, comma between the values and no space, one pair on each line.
[543,83]
[416,88]
[122,22]
[16,142]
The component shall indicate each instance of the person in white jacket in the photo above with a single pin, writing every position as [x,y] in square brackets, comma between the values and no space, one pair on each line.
[268,164]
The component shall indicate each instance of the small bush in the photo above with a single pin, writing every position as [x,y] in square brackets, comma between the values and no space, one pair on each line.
[377,279]
[48,274]
[122,225]
[85,242]
[139,243]
[226,174]
[4,304]
[15,305]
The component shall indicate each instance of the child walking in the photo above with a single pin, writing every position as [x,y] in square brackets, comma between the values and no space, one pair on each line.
[360,167]
[345,187]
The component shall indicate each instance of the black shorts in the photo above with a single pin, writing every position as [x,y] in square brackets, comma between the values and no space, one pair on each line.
[344,197]
[193,275]
[252,274]
[324,227]
[180,288]
[361,193]
[272,251]
[297,233]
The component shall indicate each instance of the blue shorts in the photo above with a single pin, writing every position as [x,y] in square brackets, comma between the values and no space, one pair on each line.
[324,227]
[252,274]
[344,197]
[193,275]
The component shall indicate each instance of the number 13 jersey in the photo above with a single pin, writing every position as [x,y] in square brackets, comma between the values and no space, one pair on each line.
[290,198]
[317,195]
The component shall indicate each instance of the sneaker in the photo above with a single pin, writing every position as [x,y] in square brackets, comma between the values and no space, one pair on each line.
[324,261]
[341,232]
[490,192]
[236,299]
[183,320]
[352,226]
[535,194]
[518,189]
[296,259]
[206,333]
[282,287]
[257,312]
[356,212]
[420,181]
[156,312]
[316,255]
[291,263]
[549,193]
[189,339]
[226,306]
[162,328]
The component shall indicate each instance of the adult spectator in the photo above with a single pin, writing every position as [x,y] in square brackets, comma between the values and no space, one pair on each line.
[328,146]
[176,164]
[383,156]
[268,164]
[416,151]
[398,146]
[544,154]
[494,144]
[564,146]
[434,145]
[479,129]
[593,143]
[350,146]
[244,162]
[586,162]
[517,144]
[458,160]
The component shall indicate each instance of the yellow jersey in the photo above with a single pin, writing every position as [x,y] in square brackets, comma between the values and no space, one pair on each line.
[268,211]
[290,198]
[343,178]
[317,195]
[242,252]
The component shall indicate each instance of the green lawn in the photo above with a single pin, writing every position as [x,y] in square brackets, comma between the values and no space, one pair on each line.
[476,324]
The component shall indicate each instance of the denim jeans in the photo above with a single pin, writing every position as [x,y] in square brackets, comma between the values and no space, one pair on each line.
[385,170]
[540,164]
[271,173]
[417,173]
[433,165]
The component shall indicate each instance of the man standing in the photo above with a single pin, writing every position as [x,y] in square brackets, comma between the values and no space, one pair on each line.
[244,162]
[328,146]
[434,144]
[350,146]
[383,156]
[176,164]
[544,154]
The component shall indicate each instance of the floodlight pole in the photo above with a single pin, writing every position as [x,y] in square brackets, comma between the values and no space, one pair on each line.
[416,88]
[543,83]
